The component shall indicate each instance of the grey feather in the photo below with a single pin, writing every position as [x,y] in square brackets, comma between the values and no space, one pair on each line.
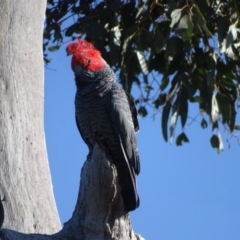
[107,115]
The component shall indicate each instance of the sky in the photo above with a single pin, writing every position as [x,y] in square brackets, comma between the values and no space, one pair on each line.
[186,193]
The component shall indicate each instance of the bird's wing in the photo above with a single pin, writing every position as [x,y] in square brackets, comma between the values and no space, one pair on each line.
[126,156]
[118,108]
[79,129]
[133,111]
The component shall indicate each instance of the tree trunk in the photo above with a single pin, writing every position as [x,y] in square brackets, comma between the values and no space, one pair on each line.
[25,184]
[99,212]
[27,203]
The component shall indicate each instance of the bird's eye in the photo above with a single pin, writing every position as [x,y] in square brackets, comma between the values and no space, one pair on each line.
[88,63]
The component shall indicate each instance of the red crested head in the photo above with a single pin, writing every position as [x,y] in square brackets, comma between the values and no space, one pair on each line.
[85,55]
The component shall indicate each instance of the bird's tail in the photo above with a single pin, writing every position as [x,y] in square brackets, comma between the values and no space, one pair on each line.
[127,181]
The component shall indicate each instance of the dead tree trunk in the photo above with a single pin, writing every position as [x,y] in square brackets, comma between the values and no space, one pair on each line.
[99,213]
[27,205]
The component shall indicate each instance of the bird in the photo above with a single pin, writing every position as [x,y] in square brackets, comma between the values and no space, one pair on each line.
[106,114]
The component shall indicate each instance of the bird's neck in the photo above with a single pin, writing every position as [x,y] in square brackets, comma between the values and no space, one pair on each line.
[96,84]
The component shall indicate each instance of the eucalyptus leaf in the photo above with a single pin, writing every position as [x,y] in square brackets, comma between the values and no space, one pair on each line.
[215,110]
[215,141]
[175,15]
[164,123]
[184,22]
[204,123]
[183,105]
[173,121]
[162,47]
[142,111]
[164,83]
[223,25]
[53,48]
[181,139]
[142,62]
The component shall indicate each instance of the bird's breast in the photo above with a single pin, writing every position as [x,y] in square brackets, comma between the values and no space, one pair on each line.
[91,114]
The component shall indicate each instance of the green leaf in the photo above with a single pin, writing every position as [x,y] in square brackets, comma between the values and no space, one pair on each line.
[223,24]
[197,99]
[142,111]
[208,33]
[187,34]
[232,117]
[198,17]
[177,63]
[158,40]
[205,7]
[142,62]
[72,29]
[115,42]
[164,83]
[57,33]
[165,116]
[199,21]
[227,109]
[191,92]
[176,15]
[215,126]
[233,51]
[160,100]
[174,46]
[84,2]
[171,6]
[53,48]
[95,30]
[215,109]
[175,85]
[181,139]
[173,120]
[224,107]
[237,127]
[115,6]
[184,22]
[46,34]
[46,60]
[215,141]
[204,123]
[140,12]
[210,78]
[231,35]
[157,62]
[183,105]
[212,62]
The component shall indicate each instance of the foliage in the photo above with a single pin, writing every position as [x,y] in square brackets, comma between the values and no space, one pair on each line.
[175,51]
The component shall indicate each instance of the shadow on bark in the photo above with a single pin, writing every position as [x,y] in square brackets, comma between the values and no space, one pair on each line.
[99,212]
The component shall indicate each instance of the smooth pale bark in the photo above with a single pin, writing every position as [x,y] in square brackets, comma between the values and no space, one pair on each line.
[99,213]
[25,183]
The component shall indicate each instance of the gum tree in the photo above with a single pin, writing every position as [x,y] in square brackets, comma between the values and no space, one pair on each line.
[177,53]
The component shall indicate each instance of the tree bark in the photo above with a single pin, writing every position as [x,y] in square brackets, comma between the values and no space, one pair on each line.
[25,184]
[99,212]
